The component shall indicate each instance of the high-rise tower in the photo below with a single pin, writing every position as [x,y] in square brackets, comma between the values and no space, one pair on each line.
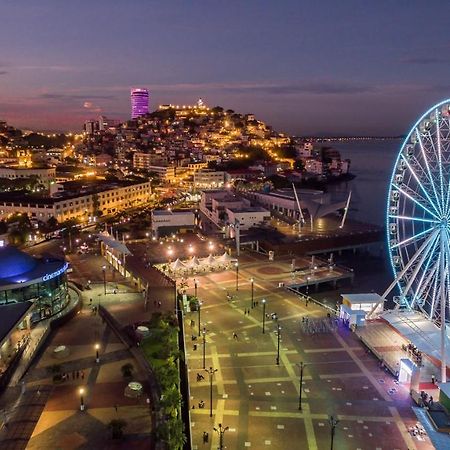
[139,102]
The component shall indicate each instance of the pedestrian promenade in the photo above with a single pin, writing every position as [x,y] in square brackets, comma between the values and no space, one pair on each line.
[258,399]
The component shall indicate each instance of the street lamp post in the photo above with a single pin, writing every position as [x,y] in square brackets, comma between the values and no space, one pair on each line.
[211,373]
[220,430]
[278,344]
[252,288]
[199,305]
[307,289]
[301,365]
[97,357]
[104,279]
[264,315]
[81,391]
[236,264]
[204,346]
[333,421]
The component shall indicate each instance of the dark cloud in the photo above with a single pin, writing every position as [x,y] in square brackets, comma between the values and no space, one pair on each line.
[3,72]
[319,87]
[75,97]
[313,87]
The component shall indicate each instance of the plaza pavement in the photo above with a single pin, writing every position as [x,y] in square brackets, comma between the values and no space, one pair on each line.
[55,420]
[258,400]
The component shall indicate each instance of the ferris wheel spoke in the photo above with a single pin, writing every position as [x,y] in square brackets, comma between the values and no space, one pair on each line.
[423,260]
[414,219]
[434,294]
[430,176]
[412,238]
[417,202]
[441,178]
[427,284]
[419,182]
[423,282]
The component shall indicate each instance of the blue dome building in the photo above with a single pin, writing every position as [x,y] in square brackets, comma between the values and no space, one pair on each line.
[26,278]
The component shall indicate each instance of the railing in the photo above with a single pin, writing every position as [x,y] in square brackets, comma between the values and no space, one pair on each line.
[184,382]
[155,389]
[312,299]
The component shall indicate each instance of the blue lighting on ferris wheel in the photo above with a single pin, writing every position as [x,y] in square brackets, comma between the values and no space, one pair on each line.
[418,214]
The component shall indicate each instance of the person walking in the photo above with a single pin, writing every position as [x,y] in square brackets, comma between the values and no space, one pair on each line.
[235,336]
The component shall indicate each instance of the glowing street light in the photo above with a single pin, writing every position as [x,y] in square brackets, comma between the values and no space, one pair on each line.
[97,357]
[264,315]
[104,279]
[81,392]
[204,346]
[278,344]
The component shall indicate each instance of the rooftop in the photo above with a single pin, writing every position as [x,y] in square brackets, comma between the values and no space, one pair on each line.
[11,314]
[75,189]
[371,297]
[167,212]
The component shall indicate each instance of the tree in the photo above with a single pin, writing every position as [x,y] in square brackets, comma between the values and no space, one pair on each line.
[127,370]
[52,224]
[116,426]
[299,165]
[171,401]
[3,227]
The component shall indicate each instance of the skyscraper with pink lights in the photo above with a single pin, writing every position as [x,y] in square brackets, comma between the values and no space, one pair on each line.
[139,102]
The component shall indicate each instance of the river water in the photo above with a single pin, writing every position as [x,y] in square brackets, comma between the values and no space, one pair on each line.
[372,163]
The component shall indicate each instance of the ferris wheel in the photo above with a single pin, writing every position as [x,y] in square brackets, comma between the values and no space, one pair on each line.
[418,216]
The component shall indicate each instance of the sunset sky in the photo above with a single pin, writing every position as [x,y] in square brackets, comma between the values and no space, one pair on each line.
[306,67]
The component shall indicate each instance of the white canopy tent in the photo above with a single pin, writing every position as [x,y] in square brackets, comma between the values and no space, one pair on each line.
[177,265]
[226,258]
[193,263]
[209,261]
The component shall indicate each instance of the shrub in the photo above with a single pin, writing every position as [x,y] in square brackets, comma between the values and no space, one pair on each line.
[127,370]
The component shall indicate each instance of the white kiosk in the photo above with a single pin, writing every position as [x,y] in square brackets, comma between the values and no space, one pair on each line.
[355,307]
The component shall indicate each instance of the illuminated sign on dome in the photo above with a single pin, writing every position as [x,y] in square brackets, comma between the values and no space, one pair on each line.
[49,276]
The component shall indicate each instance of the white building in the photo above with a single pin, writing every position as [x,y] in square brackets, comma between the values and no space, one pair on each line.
[83,206]
[45,175]
[223,207]
[171,220]
[314,166]
[248,217]
[209,179]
